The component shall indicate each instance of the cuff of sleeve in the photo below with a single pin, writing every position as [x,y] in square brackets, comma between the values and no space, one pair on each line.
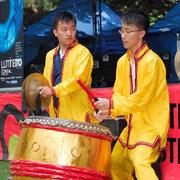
[110,104]
[111,108]
[53,91]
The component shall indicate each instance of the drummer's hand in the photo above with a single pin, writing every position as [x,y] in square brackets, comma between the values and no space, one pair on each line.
[102,104]
[45,91]
[101,115]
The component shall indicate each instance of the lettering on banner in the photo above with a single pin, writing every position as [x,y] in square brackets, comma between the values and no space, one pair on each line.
[7,65]
[173,140]
[172,143]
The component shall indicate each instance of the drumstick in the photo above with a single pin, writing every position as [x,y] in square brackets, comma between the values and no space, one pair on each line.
[89,92]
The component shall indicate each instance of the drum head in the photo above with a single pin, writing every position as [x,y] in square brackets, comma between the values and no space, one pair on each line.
[30,91]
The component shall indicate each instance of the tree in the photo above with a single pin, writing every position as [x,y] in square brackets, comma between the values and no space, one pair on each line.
[156,9]
[36,9]
[43,5]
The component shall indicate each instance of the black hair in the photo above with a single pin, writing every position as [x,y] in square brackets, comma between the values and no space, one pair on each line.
[63,16]
[137,18]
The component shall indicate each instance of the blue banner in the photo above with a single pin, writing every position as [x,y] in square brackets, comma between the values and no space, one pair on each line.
[11,43]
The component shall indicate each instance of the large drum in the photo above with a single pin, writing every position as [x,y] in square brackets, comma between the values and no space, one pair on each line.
[52,148]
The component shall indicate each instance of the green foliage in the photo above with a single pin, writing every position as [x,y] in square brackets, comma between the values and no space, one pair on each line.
[34,10]
[155,8]
[43,5]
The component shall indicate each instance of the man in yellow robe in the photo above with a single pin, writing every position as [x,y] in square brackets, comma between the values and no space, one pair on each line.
[65,65]
[140,94]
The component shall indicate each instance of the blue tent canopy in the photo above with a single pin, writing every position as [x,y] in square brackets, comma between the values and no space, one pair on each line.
[163,37]
[40,33]
[83,9]
[170,22]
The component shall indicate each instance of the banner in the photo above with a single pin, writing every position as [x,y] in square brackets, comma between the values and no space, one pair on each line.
[171,165]
[11,43]
[11,114]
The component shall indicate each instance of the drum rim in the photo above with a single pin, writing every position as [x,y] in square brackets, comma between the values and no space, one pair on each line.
[64,123]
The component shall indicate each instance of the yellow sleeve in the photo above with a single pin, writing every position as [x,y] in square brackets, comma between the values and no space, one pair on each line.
[83,68]
[123,105]
[47,72]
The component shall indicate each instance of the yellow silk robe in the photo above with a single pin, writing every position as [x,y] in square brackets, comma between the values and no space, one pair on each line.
[147,108]
[74,103]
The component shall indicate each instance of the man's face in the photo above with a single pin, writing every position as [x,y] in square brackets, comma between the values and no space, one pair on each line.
[65,32]
[131,36]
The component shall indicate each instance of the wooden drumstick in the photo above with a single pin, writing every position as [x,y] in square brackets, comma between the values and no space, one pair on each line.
[89,92]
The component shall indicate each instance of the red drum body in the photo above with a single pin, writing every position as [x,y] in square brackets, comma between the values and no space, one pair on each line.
[51,148]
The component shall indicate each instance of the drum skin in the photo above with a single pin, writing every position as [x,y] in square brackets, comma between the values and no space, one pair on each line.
[63,147]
